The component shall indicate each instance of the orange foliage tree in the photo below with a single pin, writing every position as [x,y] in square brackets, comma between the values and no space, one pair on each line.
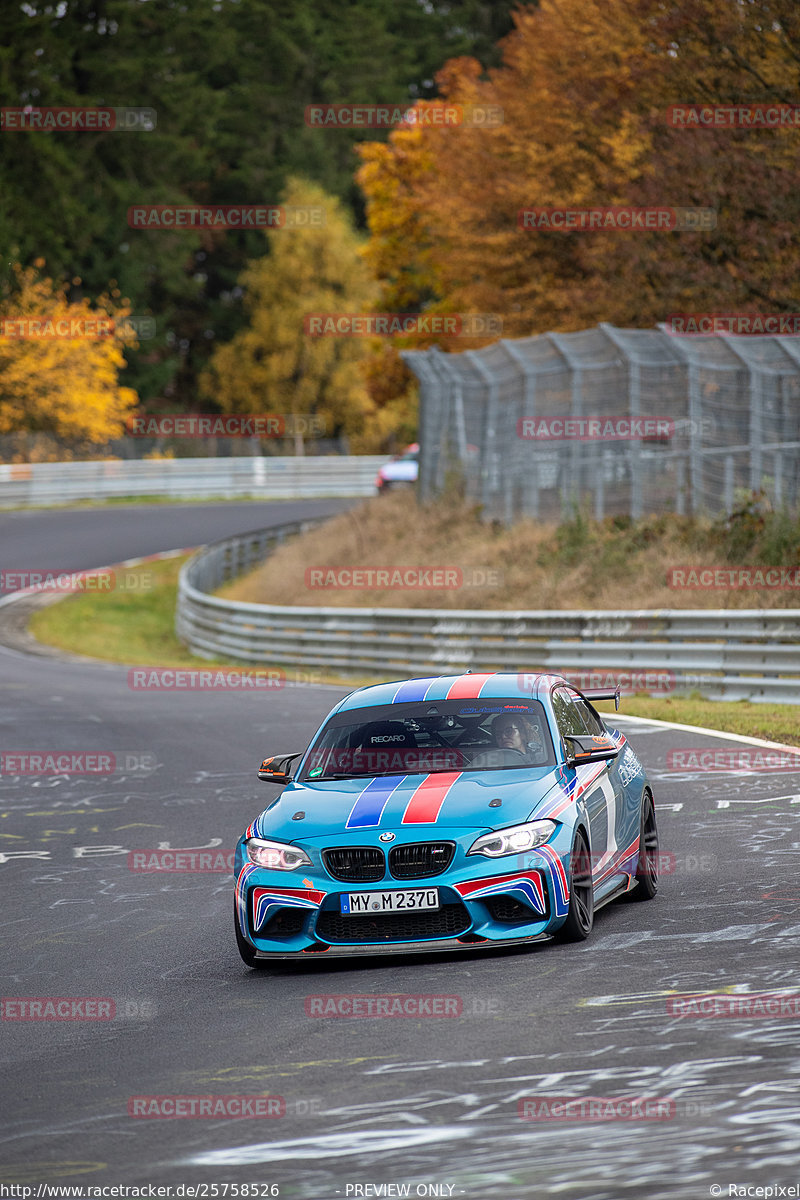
[585,87]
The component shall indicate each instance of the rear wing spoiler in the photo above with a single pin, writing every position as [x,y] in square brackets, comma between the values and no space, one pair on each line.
[602,694]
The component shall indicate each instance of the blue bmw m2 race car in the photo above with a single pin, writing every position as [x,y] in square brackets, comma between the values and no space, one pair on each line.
[464,811]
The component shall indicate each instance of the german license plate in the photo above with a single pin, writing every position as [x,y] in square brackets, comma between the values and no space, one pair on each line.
[355,903]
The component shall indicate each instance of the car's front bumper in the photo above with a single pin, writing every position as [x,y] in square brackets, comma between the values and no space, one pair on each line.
[511,901]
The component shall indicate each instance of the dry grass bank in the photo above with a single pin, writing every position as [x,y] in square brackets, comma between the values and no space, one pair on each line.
[581,564]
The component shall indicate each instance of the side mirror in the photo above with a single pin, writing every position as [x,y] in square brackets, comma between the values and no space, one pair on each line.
[590,748]
[276,768]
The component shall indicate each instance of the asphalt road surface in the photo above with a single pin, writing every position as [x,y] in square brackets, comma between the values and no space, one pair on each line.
[417,1106]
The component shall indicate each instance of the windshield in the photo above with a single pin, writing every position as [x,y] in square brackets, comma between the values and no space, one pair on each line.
[443,735]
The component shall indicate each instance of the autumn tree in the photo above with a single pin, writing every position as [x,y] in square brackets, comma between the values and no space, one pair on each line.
[274,365]
[228,83]
[60,361]
[585,88]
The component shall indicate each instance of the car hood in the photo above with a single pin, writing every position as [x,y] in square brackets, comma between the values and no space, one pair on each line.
[412,803]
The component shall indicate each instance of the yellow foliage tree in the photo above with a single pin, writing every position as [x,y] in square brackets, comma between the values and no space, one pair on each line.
[63,386]
[273,365]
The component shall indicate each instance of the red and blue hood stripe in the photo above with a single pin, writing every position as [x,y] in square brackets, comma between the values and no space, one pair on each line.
[422,808]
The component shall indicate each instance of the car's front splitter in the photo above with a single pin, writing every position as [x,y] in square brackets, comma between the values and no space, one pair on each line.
[374,948]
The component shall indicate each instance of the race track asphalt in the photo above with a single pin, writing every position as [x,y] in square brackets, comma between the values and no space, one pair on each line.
[427,1104]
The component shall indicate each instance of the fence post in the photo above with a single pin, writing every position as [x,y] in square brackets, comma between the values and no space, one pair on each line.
[599,484]
[574,456]
[491,472]
[680,487]
[634,387]
[529,470]
[756,430]
[728,484]
[423,364]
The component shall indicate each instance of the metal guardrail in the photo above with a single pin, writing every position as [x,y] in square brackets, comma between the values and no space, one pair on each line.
[726,654]
[278,477]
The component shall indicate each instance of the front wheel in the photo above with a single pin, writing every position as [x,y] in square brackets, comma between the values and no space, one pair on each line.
[245,949]
[580,917]
[647,866]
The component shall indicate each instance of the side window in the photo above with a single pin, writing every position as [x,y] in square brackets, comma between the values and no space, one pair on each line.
[590,718]
[569,720]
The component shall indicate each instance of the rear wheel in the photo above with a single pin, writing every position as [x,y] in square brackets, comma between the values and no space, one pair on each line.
[647,867]
[580,917]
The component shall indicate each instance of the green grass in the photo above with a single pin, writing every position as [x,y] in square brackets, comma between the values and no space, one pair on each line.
[773,722]
[137,626]
[131,626]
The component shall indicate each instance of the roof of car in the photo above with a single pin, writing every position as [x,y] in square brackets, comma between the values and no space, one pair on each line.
[469,686]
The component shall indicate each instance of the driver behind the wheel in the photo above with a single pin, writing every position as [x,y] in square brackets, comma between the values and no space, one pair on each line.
[513,731]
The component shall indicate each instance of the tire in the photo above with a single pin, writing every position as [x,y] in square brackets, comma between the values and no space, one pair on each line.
[646,886]
[580,917]
[245,949]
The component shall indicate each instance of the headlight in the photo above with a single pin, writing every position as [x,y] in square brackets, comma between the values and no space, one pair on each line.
[515,840]
[277,855]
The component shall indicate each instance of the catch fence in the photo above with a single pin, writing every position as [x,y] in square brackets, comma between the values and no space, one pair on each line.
[729,409]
